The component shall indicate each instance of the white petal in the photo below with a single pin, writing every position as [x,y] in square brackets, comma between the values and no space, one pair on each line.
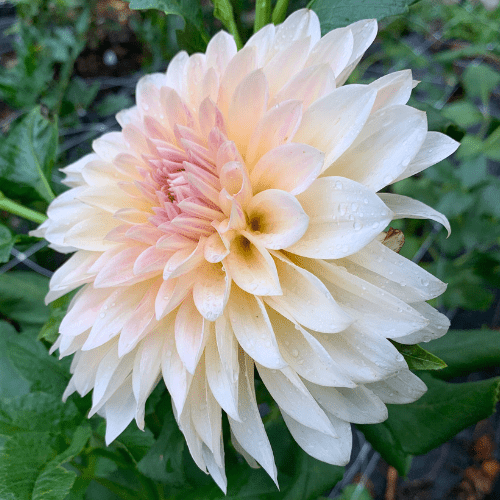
[253,329]
[176,72]
[402,388]
[345,110]
[306,299]
[298,25]
[390,139]
[408,208]
[437,327]
[217,472]
[394,88]
[290,167]
[220,50]
[435,148]
[358,405]
[211,291]
[90,233]
[336,451]
[250,432]
[288,390]
[343,217]
[119,411]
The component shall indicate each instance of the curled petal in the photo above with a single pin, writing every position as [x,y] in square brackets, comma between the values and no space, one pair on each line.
[402,388]
[211,291]
[394,88]
[276,219]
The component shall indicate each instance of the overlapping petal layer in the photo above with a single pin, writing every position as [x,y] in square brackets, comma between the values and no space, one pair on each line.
[233,224]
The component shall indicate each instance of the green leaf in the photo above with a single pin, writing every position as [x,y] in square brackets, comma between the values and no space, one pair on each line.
[28,153]
[463,113]
[443,411]
[11,384]
[338,13]
[189,10]
[418,358]
[355,492]
[7,241]
[473,172]
[466,351]
[58,308]
[480,80]
[21,297]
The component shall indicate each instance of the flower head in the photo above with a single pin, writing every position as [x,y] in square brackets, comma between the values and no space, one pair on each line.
[234,223]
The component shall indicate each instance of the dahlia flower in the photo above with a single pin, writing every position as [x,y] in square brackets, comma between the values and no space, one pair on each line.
[236,222]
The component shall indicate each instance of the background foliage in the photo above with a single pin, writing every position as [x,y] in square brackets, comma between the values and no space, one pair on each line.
[69,66]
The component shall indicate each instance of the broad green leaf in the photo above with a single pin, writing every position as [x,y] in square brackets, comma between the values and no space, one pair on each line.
[163,462]
[189,10]
[58,308]
[355,492]
[463,113]
[491,146]
[480,80]
[11,384]
[7,241]
[27,155]
[454,203]
[21,297]
[443,411]
[466,351]
[337,13]
[473,172]
[44,373]
[418,358]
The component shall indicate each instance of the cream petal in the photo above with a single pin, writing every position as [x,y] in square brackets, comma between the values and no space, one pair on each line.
[221,377]
[437,327]
[74,272]
[248,104]
[394,88]
[211,291]
[262,41]
[300,24]
[394,273]
[147,93]
[374,310]
[195,72]
[176,377]
[408,208]
[234,179]
[99,173]
[252,328]
[251,267]
[151,259]
[403,388]
[436,147]
[336,451]
[276,219]
[290,167]
[343,217]
[334,49]
[109,145]
[215,250]
[363,32]
[346,110]
[243,63]
[217,472]
[250,432]
[277,126]
[220,51]
[390,139]
[306,299]
[308,85]
[184,260]
[119,411]
[357,405]
[172,292]
[90,233]
[193,440]
[119,268]
[290,393]
[286,64]
[176,71]
[190,334]
[304,353]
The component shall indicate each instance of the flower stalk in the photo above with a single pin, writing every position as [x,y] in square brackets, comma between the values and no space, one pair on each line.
[17,209]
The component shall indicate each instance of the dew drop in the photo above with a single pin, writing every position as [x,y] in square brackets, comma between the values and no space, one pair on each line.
[102,315]
[358,226]
[295,353]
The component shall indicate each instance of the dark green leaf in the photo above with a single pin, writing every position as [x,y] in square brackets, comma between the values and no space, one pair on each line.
[355,492]
[480,80]
[28,153]
[466,351]
[6,243]
[443,411]
[58,308]
[337,13]
[463,113]
[418,358]
[473,172]
[21,297]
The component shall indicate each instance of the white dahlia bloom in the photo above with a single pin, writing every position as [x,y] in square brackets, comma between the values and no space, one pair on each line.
[234,223]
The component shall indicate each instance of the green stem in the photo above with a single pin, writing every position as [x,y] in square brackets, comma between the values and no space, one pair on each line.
[223,10]
[279,12]
[20,210]
[262,14]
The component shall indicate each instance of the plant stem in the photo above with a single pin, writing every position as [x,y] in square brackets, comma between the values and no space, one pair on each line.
[223,11]
[262,14]
[20,210]
[279,12]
